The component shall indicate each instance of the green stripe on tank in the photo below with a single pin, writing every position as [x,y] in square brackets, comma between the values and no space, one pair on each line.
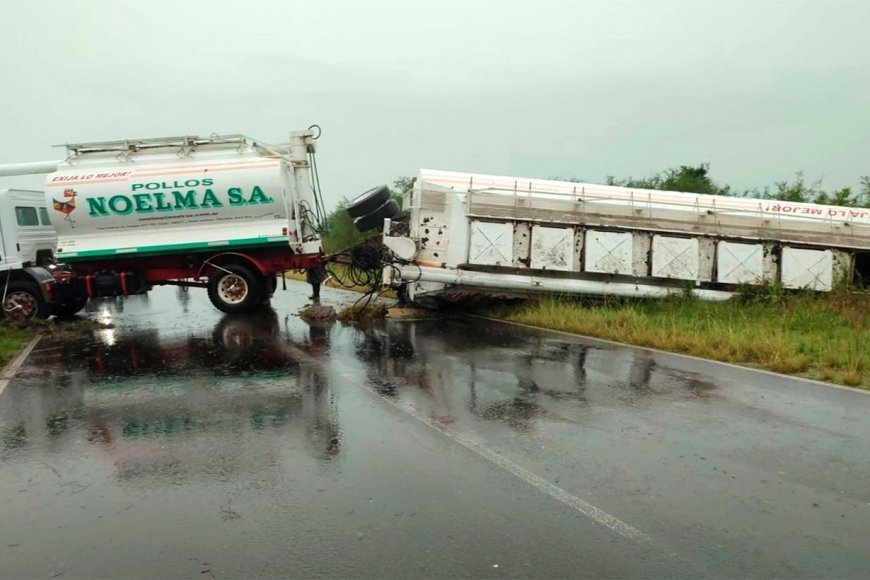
[161,249]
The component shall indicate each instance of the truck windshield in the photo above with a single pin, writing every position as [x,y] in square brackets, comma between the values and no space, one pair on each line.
[43,217]
[26,216]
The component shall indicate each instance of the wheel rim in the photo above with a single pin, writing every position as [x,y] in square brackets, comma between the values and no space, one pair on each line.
[20,305]
[232,289]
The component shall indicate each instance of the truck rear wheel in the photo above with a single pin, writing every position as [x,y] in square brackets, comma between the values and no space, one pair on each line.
[23,301]
[234,288]
[270,284]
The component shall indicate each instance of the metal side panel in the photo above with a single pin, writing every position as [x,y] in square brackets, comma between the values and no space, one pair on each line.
[433,237]
[812,269]
[842,265]
[675,258]
[641,246]
[608,252]
[706,259]
[522,241]
[552,248]
[579,236]
[491,244]
[431,223]
[740,263]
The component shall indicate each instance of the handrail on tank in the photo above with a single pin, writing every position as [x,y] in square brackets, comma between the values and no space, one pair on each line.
[602,196]
[186,144]
[154,142]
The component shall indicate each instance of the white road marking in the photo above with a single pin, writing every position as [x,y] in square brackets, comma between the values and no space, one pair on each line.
[587,509]
[9,372]
[49,349]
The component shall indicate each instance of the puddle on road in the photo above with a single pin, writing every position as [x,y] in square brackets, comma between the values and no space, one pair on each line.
[176,380]
[504,373]
[185,427]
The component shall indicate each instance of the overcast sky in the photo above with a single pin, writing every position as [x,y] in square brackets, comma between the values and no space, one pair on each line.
[759,89]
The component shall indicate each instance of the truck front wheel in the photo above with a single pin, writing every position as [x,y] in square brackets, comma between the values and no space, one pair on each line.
[234,288]
[23,301]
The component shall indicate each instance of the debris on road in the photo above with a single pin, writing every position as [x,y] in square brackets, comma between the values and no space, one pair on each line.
[402,313]
[318,312]
[362,312]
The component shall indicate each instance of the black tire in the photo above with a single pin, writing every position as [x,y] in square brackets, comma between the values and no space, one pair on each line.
[390,209]
[234,288]
[369,201]
[377,217]
[67,309]
[23,301]
[270,284]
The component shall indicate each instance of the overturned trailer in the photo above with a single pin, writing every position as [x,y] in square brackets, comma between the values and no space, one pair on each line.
[476,233]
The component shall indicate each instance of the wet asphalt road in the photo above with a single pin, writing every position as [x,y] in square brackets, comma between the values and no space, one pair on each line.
[185,443]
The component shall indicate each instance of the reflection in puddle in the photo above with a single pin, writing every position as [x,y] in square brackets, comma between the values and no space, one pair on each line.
[451,367]
[235,395]
[180,406]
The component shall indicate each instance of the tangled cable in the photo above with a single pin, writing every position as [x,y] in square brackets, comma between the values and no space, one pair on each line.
[365,268]
[319,205]
[310,218]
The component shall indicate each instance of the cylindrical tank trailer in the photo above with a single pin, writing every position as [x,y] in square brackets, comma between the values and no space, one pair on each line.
[224,213]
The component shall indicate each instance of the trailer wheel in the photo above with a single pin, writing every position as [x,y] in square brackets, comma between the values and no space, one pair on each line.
[233,288]
[369,201]
[270,284]
[24,302]
[66,309]
[376,219]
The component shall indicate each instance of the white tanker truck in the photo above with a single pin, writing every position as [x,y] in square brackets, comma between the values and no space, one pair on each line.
[225,213]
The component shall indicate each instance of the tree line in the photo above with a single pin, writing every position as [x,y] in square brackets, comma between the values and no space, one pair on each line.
[696,179]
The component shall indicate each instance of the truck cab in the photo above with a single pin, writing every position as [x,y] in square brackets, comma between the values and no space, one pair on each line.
[27,242]
[26,235]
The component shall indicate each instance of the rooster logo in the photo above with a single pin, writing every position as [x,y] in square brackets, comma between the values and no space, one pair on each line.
[68,206]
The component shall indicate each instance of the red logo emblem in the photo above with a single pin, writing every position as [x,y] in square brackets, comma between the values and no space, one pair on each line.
[68,206]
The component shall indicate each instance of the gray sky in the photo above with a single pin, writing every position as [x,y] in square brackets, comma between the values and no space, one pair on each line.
[759,89]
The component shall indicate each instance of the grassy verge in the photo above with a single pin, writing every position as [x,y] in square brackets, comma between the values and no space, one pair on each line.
[12,340]
[339,272]
[14,335]
[340,269]
[825,337]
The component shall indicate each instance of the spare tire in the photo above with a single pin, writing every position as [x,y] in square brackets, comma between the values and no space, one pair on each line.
[376,219]
[369,201]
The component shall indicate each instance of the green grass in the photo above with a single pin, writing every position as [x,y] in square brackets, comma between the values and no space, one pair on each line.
[336,272]
[339,270]
[15,334]
[12,340]
[822,336]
